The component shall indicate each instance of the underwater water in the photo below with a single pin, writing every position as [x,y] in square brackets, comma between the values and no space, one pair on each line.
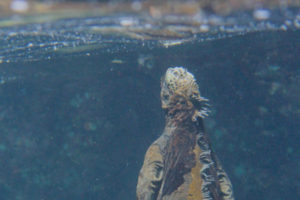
[79,106]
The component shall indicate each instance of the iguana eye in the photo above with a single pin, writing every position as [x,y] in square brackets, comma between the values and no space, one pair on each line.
[195,94]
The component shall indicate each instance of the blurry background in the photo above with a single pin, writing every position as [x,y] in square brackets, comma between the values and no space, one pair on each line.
[175,6]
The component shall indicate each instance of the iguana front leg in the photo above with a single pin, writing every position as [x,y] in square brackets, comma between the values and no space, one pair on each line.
[151,174]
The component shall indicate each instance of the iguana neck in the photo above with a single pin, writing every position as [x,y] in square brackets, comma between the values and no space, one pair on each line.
[183,118]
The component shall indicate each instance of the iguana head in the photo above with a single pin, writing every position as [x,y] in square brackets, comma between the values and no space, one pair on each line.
[180,92]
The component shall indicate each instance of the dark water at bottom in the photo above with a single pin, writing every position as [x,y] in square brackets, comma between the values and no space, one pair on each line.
[77,127]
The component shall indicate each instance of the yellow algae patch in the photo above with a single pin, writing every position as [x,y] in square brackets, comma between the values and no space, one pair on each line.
[117,61]
[170,43]
[195,192]
[77,49]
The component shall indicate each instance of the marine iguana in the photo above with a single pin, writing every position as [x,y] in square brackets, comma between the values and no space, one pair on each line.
[180,164]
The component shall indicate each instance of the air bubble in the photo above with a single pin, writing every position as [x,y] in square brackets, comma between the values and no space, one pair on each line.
[19,5]
[261,14]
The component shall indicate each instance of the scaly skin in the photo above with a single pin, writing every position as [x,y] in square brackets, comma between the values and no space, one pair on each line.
[180,164]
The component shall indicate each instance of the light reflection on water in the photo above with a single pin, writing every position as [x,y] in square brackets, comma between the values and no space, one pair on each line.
[45,37]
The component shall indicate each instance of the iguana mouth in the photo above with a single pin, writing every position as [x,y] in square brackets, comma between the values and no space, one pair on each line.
[179,91]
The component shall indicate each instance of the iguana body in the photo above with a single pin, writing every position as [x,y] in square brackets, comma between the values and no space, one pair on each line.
[180,164]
